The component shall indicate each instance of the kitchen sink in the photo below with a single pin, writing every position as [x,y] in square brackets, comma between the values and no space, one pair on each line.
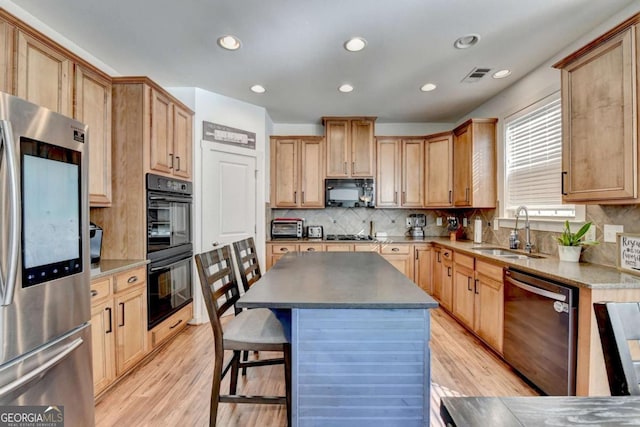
[505,253]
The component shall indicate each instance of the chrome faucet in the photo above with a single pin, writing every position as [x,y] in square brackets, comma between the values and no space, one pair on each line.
[528,246]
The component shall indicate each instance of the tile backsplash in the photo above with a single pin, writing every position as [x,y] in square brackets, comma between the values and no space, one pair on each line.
[392,221]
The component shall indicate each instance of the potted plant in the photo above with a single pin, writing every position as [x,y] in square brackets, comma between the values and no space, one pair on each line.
[570,244]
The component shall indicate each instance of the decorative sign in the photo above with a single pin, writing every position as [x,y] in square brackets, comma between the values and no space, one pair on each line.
[629,253]
[227,135]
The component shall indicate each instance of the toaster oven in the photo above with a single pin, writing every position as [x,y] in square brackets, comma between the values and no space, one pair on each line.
[291,228]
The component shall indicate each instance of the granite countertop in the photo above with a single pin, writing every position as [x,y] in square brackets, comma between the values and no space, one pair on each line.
[581,274]
[335,280]
[107,267]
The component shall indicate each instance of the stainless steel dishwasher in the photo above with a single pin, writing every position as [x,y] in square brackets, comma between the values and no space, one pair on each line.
[540,324]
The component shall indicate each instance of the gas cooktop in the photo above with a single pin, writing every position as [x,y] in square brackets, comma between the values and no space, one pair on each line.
[356,237]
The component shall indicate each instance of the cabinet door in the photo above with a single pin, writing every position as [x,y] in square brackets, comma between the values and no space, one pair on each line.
[93,107]
[311,173]
[131,328]
[412,173]
[284,172]
[446,298]
[598,105]
[422,268]
[337,133]
[103,345]
[400,256]
[437,273]
[182,142]
[388,172]
[362,148]
[439,171]
[7,58]
[43,75]
[161,155]
[463,294]
[490,311]
[462,153]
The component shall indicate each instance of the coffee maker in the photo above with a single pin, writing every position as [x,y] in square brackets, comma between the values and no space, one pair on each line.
[415,222]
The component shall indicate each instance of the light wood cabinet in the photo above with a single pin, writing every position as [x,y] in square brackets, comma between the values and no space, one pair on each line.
[422,272]
[339,247]
[436,276]
[119,325]
[438,153]
[7,56]
[464,289]
[446,281]
[297,172]
[599,103]
[170,326]
[474,159]
[92,106]
[161,137]
[400,172]
[350,147]
[182,142]
[43,74]
[489,303]
[400,256]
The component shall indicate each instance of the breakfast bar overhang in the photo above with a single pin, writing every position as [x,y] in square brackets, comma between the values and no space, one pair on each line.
[359,336]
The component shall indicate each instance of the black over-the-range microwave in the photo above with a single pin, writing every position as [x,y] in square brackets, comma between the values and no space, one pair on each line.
[350,193]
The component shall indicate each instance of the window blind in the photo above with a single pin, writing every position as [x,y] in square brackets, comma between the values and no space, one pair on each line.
[534,162]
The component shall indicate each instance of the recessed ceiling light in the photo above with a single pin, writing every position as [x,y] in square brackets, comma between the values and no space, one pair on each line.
[355,44]
[428,87]
[229,42]
[466,41]
[501,74]
[258,89]
[345,88]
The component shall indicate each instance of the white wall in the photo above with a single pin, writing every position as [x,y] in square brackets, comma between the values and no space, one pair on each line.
[212,107]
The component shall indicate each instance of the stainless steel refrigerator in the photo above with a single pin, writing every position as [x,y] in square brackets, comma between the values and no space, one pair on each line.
[45,336]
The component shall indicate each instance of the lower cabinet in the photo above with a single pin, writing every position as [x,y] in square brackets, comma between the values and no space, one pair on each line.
[423,267]
[170,326]
[464,289]
[400,256]
[118,325]
[446,278]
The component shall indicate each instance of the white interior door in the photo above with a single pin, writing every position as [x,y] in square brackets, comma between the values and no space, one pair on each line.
[228,198]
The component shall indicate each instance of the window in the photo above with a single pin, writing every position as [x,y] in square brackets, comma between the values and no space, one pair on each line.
[533,161]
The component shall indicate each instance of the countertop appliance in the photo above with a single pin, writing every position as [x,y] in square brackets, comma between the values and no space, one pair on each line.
[169,247]
[95,242]
[45,335]
[540,331]
[348,237]
[287,228]
[350,193]
[415,222]
[315,232]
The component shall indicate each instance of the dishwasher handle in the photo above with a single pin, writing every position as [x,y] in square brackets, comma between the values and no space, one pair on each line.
[535,290]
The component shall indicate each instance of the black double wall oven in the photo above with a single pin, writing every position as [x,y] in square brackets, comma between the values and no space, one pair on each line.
[169,246]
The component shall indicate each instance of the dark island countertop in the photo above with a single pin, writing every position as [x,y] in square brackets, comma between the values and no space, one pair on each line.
[335,280]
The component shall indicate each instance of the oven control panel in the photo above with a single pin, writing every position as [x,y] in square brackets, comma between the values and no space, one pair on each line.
[168,185]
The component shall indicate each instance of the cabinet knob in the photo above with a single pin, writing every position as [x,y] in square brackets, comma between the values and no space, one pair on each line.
[284,250]
[395,249]
[132,279]
[94,293]
[214,244]
[311,249]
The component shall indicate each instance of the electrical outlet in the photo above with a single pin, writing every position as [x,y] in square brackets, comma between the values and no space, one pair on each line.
[610,232]
[464,222]
[590,235]
[496,225]
[408,222]
[439,221]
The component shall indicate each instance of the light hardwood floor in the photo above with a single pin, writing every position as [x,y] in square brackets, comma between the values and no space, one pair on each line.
[174,387]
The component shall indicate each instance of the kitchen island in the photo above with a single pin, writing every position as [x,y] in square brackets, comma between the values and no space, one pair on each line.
[359,337]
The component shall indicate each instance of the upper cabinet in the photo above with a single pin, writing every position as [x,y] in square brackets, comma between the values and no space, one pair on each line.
[7,57]
[297,172]
[474,159]
[350,147]
[400,172]
[600,119]
[438,154]
[92,106]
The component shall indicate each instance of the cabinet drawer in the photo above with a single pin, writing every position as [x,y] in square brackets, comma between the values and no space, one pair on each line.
[464,260]
[130,278]
[492,271]
[312,247]
[391,249]
[283,249]
[340,247]
[366,247]
[100,288]
[171,326]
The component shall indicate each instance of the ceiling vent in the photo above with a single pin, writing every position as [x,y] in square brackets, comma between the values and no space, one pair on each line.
[476,74]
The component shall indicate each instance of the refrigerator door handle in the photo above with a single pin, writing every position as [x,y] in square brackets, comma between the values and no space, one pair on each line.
[40,370]
[8,283]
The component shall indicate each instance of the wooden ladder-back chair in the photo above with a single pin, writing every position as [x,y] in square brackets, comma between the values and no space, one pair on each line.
[249,330]
[247,260]
[619,327]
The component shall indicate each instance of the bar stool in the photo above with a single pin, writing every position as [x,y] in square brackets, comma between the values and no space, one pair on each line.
[249,330]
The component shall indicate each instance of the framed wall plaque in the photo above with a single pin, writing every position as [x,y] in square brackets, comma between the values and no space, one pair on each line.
[628,253]
[215,132]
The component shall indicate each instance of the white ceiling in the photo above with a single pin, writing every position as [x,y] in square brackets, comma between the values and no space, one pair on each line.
[295,48]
